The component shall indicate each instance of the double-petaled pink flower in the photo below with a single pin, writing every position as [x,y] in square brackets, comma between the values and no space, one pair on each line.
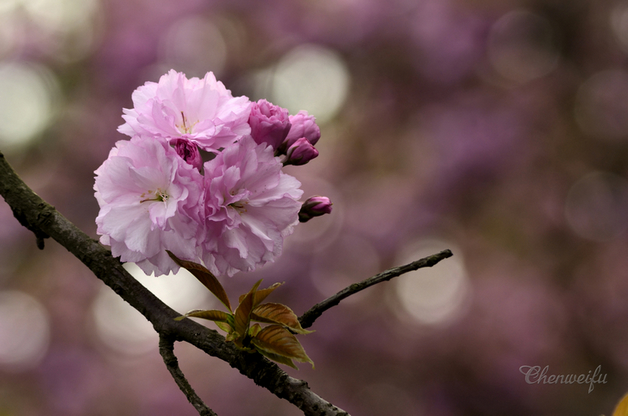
[149,202]
[201,111]
[250,206]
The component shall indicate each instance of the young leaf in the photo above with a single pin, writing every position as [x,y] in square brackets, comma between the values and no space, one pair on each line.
[260,295]
[276,313]
[228,328]
[254,330]
[277,340]
[212,315]
[205,277]
[242,313]
[233,336]
[242,316]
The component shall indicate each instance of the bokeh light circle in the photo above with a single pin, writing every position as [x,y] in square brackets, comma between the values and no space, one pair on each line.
[126,331]
[61,15]
[434,295]
[195,45]
[121,327]
[24,331]
[26,103]
[522,46]
[312,78]
[8,35]
[597,205]
[601,107]
[619,24]
[63,30]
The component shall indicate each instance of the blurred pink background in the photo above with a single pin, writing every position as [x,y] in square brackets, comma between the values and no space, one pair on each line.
[498,129]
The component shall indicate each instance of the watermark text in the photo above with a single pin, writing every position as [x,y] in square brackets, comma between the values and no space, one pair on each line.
[537,375]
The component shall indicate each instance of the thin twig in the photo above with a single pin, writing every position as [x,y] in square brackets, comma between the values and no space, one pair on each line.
[166,349]
[308,318]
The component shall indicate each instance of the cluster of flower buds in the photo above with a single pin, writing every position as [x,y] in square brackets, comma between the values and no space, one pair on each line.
[230,212]
[292,137]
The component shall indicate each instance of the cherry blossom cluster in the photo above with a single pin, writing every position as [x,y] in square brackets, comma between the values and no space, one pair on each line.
[202,177]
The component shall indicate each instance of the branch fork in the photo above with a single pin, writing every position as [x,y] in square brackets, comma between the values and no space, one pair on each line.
[44,221]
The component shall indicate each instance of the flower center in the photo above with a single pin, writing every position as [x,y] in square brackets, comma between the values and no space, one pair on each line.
[239,206]
[185,127]
[158,195]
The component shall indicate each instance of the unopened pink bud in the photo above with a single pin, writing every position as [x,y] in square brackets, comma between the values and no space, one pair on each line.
[303,125]
[189,152]
[314,207]
[269,123]
[300,152]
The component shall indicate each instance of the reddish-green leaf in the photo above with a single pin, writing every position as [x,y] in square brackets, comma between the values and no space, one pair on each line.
[233,336]
[212,315]
[260,295]
[254,330]
[205,277]
[276,313]
[242,313]
[224,326]
[277,340]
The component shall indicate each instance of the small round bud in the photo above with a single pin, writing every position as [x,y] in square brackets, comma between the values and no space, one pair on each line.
[314,207]
[188,151]
[269,123]
[303,125]
[300,153]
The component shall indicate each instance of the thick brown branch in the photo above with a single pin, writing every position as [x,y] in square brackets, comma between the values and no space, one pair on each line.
[308,318]
[41,218]
[166,349]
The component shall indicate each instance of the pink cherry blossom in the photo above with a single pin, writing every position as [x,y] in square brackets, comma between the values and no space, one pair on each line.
[202,111]
[250,206]
[150,201]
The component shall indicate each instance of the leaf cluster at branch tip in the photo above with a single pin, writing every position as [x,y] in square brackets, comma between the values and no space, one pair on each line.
[276,341]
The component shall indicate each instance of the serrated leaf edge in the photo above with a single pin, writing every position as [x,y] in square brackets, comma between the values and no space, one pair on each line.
[301,355]
[293,324]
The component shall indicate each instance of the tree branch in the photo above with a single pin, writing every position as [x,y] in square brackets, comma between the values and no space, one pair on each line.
[166,349]
[308,318]
[41,218]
